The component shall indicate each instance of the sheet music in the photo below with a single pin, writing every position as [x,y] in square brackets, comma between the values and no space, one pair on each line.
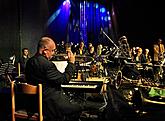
[6,68]
[61,65]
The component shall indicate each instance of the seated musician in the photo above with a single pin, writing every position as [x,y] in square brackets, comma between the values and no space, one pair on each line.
[99,49]
[147,57]
[61,47]
[138,58]
[92,52]
[147,64]
[56,104]
[99,53]
[81,49]
[89,46]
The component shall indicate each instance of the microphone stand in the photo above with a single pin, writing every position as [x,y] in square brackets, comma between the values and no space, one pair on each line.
[110,39]
[118,50]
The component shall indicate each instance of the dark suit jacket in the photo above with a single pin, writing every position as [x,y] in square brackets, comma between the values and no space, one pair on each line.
[22,62]
[56,103]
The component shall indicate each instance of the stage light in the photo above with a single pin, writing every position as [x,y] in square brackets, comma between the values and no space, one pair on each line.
[109,18]
[105,18]
[88,5]
[96,5]
[102,10]
[53,17]
[66,2]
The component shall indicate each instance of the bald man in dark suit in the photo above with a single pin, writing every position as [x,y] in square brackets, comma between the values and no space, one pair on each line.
[56,105]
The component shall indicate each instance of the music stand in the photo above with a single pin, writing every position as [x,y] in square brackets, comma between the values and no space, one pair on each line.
[6,71]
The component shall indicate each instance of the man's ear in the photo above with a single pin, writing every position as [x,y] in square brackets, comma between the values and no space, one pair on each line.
[44,52]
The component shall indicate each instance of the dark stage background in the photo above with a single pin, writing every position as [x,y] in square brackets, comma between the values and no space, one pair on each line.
[141,20]
[23,22]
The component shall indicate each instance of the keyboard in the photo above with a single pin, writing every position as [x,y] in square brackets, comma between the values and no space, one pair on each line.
[79,86]
[82,86]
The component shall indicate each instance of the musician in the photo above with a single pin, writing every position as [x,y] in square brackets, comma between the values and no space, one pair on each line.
[81,49]
[89,46]
[99,49]
[147,57]
[158,51]
[56,105]
[61,47]
[24,58]
[139,57]
[158,58]
[92,52]
[124,46]
[147,64]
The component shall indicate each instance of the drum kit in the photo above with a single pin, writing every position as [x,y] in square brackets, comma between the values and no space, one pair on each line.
[92,67]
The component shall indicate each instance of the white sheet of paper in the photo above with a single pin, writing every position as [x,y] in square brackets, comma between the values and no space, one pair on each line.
[61,65]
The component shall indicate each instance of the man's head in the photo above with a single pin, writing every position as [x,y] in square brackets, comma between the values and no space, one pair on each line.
[90,44]
[160,41]
[25,51]
[82,44]
[46,47]
[146,51]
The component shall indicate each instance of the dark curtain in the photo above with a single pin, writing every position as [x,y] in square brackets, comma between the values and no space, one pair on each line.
[9,28]
[22,24]
[80,25]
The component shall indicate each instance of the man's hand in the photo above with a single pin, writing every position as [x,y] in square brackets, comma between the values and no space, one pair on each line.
[71,56]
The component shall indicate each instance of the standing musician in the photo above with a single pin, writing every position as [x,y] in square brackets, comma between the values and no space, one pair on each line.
[158,58]
[158,51]
[124,46]
[24,58]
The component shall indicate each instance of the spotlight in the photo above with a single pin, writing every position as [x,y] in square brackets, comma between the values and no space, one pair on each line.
[102,10]
[66,2]
[97,5]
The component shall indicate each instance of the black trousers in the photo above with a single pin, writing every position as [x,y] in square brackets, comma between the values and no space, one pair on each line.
[58,107]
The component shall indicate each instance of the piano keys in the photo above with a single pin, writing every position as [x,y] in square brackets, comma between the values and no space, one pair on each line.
[80,86]
[86,90]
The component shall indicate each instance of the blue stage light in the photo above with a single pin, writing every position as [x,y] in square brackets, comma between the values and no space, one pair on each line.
[102,10]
